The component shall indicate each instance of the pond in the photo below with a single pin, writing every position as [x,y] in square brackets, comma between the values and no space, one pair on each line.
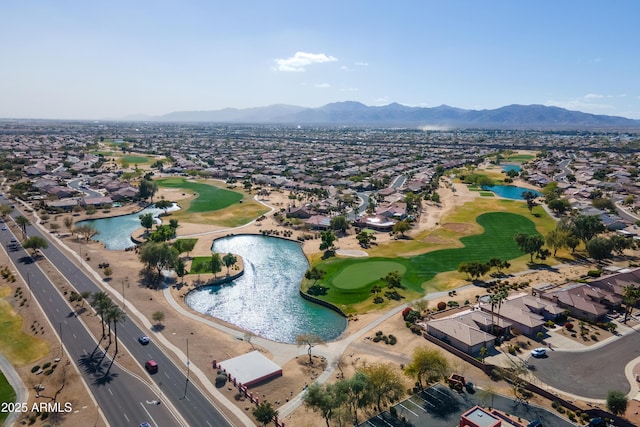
[115,232]
[511,167]
[265,299]
[509,191]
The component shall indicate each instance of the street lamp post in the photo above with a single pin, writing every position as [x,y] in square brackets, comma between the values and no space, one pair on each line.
[186,383]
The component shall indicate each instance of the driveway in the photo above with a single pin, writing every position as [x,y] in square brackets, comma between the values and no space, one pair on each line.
[589,373]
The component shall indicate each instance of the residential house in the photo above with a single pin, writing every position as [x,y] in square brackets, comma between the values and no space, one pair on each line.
[467,331]
[583,300]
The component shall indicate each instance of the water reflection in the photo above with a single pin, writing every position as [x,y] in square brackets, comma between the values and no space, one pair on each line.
[115,232]
[266,299]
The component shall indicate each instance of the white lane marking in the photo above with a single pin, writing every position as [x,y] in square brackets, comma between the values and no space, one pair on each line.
[145,410]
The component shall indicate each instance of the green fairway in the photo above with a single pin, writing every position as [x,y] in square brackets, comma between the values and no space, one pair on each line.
[520,157]
[210,198]
[360,275]
[134,159]
[7,394]
[349,280]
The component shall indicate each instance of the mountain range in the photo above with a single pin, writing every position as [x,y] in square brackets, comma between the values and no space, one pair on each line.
[397,115]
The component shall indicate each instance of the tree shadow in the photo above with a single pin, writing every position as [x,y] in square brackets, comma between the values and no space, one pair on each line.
[93,363]
[158,327]
[26,260]
[107,378]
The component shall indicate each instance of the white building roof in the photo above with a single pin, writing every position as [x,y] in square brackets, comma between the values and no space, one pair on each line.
[251,368]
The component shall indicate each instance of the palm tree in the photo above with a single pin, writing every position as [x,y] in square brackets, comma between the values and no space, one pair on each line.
[115,315]
[483,353]
[23,222]
[630,297]
[100,301]
[496,300]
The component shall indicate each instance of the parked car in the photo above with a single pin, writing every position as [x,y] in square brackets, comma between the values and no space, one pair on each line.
[539,352]
[143,339]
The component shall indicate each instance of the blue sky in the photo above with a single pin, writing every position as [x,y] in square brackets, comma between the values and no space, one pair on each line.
[94,60]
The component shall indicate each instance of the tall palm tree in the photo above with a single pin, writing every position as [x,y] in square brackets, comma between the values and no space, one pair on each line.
[23,222]
[496,300]
[115,315]
[100,301]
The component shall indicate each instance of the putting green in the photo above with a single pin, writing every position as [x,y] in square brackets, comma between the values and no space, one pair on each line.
[357,276]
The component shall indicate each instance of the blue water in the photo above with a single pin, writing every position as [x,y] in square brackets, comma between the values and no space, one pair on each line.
[115,232]
[508,168]
[509,191]
[265,299]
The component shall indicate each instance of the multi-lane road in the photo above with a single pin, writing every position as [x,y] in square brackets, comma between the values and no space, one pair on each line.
[124,398]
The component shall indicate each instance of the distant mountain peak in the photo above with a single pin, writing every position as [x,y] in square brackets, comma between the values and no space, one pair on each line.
[514,116]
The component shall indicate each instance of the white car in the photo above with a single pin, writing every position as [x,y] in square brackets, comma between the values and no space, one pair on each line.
[539,352]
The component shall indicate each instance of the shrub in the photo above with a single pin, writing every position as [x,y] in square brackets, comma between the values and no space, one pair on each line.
[442,305]
[221,379]
[416,329]
[594,273]
[48,372]
[35,369]
[378,300]
[392,340]
[568,326]
[46,365]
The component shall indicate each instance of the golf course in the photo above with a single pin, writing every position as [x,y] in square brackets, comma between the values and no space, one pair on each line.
[478,232]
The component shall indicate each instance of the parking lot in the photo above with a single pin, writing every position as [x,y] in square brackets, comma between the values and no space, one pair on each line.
[440,406]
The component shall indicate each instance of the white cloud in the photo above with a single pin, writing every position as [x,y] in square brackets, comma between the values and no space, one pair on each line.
[593,96]
[349,89]
[362,64]
[581,104]
[323,85]
[300,60]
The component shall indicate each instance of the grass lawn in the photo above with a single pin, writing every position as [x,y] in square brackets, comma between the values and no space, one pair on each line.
[493,239]
[200,265]
[210,197]
[487,194]
[19,348]
[521,157]
[132,160]
[7,394]
[355,275]
[213,205]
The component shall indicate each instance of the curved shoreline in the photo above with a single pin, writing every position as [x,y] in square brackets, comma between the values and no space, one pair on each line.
[303,294]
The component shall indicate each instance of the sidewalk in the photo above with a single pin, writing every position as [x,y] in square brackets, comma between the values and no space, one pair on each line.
[22,394]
